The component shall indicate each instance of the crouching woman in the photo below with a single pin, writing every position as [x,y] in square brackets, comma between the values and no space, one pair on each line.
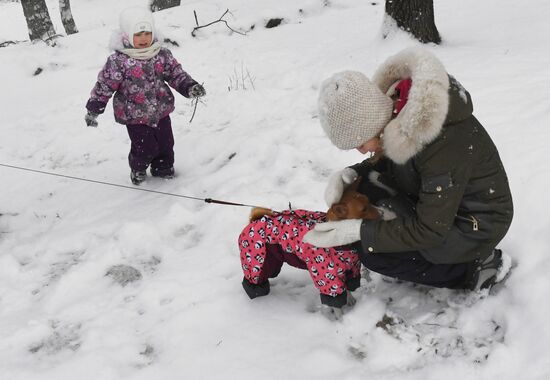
[451,191]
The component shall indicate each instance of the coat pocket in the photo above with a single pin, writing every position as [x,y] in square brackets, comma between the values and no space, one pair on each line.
[437,183]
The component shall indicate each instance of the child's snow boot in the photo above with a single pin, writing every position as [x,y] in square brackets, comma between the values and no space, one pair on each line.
[138,176]
[167,173]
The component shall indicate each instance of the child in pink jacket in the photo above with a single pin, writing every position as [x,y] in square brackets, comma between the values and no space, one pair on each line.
[138,74]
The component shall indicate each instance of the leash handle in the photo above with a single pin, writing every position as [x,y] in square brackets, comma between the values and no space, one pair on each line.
[210,200]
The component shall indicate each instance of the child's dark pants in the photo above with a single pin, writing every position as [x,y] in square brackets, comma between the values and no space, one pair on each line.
[152,146]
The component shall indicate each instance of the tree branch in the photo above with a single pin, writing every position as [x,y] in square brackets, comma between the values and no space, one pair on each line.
[214,22]
[194,109]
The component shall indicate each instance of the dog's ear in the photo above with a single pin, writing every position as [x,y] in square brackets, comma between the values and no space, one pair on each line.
[339,211]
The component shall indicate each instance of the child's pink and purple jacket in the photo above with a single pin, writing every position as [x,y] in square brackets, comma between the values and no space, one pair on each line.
[141,93]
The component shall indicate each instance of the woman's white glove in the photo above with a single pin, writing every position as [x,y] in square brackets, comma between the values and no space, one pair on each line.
[337,183]
[334,234]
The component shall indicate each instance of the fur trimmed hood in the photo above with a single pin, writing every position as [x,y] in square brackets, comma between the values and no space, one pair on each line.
[118,41]
[422,119]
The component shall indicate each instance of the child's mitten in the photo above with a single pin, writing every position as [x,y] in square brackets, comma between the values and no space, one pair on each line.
[91,119]
[197,91]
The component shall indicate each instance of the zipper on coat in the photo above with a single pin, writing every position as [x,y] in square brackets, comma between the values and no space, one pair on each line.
[471,219]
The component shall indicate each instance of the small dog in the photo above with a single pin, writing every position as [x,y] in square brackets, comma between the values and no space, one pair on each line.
[273,238]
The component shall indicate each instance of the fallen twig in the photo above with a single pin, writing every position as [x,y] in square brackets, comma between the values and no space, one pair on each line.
[214,22]
[7,43]
[196,100]
[195,108]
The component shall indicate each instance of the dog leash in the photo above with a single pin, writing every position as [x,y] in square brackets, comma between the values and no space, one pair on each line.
[206,200]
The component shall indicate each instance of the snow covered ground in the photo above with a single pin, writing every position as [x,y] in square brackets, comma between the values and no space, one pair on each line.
[186,316]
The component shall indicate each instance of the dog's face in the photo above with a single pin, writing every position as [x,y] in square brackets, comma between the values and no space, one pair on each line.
[353,205]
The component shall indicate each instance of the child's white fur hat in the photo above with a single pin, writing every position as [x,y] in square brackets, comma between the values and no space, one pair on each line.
[352,109]
[134,20]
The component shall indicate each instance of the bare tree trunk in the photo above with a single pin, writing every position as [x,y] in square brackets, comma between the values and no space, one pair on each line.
[38,18]
[159,5]
[415,17]
[67,17]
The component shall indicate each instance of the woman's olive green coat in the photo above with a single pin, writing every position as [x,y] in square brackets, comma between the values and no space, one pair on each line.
[441,158]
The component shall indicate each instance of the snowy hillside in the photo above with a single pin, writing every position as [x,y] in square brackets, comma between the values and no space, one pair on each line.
[186,315]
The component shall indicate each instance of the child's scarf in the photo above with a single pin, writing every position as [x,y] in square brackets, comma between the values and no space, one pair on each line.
[145,53]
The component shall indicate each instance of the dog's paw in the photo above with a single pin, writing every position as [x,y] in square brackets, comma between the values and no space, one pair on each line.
[350,301]
[332,313]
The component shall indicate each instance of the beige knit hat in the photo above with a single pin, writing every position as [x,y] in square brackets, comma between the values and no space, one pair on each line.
[352,110]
